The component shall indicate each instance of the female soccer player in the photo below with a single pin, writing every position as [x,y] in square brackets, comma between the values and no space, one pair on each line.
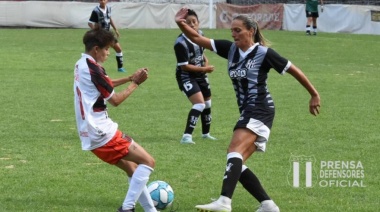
[97,132]
[191,74]
[249,61]
[101,18]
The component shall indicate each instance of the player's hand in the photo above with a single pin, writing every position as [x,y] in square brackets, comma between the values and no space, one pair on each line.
[140,76]
[322,9]
[314,105]
[181,15]
[209,69]
[117,33]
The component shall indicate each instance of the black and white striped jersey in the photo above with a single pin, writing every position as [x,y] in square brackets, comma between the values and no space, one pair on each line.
[101,17]
[249,72]
[188,52]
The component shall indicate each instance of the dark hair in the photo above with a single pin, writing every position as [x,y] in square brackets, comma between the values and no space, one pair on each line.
[191,12]
[98,37]
[249,23]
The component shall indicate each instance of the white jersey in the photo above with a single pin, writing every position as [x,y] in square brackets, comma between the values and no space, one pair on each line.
[92,89]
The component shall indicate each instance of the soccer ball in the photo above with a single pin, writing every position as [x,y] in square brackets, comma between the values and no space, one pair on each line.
[161,193]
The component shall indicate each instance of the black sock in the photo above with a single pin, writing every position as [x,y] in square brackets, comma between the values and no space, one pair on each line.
[252,184]
[119,60]
[192,120]
[206,120]
[231,176]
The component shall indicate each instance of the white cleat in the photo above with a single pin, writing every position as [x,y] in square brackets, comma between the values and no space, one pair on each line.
[208,136]
[215,206]
[187,140]
[268,206]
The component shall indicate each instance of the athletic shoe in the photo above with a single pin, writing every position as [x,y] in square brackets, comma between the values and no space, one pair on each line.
[128,210]
[208,136]
[187,140]
[215,206]
[314,33]
[268,206]
[308,33]
[121,70]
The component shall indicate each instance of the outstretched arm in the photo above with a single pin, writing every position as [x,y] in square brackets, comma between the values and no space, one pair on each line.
[315,101]
[190,32]
[137,78]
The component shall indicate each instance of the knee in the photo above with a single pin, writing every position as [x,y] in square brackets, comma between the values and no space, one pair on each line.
[199,106]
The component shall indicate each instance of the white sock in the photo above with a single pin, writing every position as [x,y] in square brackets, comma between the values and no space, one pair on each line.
[137,184]
[145,200]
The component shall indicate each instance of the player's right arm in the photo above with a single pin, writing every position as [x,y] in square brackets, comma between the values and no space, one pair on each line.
[180,19]
[93,21]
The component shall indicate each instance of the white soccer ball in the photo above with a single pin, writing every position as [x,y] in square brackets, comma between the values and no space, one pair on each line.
[161,193]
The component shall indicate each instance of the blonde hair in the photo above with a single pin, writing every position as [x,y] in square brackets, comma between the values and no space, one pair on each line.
[249,23]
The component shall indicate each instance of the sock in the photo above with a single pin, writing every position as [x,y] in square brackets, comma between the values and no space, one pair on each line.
[137,184]
[232,174]
[252,184]
[206,118]
[307,28]
[119,59]
[192,118]
[314,28]
[145,200]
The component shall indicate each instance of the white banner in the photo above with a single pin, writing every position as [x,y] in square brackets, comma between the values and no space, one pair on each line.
[334,18]
[359,19]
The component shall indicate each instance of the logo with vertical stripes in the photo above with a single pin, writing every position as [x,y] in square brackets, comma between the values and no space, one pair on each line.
[301,173]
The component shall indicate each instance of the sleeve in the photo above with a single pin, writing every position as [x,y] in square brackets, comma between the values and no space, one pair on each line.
[101,81]
[93,17]
[277,62]
[221,47]
[181,54]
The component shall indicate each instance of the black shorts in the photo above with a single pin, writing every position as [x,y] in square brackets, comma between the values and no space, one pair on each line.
[312,14]
[191,86]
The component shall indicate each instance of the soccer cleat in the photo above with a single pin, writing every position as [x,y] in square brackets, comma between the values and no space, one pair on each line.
[215,206]
[208,136]
[314,33]
[122,70]
[128,210]
[187,140]
[268,206]
[308,33]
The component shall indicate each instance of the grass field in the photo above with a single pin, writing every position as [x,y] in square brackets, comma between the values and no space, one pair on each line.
[42,166]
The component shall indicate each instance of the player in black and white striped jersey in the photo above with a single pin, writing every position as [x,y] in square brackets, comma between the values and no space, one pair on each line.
[191,75]
[101,17]
[249,61]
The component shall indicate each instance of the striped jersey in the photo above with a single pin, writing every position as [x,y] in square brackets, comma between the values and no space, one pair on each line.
[249,72]
[101,17]
[92,89]
[188,52]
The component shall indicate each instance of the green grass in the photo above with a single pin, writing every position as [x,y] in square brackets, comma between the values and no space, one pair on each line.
[42,167]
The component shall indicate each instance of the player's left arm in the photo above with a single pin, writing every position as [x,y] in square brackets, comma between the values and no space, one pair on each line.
[120,81]
[315,101]
[322,7]
[205,59]
[114,28]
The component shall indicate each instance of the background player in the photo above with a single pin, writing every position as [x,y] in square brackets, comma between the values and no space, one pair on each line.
[191,75]
[101,17]
[312,15]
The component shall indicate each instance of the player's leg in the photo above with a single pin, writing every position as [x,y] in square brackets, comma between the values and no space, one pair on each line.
[193,92]
[144,199]
[119,57]
[206,113]
[140,177]
[314,19]
[308,23]
[242,144]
